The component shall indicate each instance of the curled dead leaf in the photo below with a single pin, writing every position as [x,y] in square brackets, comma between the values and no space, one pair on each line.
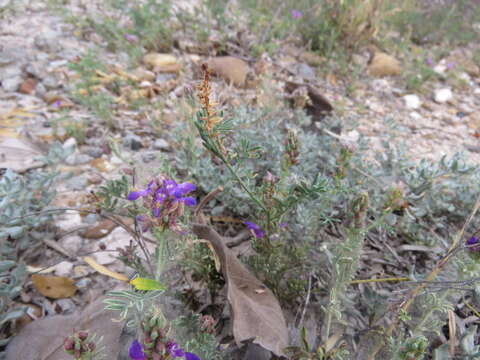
[257,316]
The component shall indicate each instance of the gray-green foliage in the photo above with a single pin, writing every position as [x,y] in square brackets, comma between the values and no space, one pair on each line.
[23,199]
[189,333]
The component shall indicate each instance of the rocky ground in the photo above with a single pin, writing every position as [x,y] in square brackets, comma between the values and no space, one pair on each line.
[37,45]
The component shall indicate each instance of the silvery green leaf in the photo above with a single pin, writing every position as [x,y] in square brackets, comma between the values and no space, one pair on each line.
[441,353]
[467,341]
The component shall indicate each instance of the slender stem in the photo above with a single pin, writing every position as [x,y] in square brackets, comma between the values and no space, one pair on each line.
[244,187]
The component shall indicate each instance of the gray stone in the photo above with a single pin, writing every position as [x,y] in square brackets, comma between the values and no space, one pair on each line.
[148,156]
[93,151]
[10,71]
[161,144]
[132,141]
[51,82]
[90,219]
[161,78]
[77,183]
[12,84]
[303,70]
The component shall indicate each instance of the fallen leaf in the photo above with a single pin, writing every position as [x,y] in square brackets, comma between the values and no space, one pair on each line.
[318,106]
[45,336]
[256,316]
[54,287]
[146,284]
[18,155]
[232,69]
[104,270]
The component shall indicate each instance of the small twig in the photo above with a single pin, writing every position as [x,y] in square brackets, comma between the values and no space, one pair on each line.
[207,199]
[54,245]
[363,281]
[307,300]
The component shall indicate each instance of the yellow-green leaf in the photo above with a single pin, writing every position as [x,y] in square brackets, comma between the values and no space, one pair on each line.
[146,284]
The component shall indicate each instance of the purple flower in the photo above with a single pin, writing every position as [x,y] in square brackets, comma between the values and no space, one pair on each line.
[136,352]
[283,225]
[165,199]
[175,351]
[429,62]
[450,65]
[296,14]
[57,103]
[130,38]
[257,230]
[134,195]
[473,244]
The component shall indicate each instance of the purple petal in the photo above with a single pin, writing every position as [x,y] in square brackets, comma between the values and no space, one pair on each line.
[136,352]
[251,225]
[257,230]
[169,187]
[160,197]
[473,244]
[259,233]
[183,188]
[134,195]
[175,350]
[191,356]
[189,201]
[156,212]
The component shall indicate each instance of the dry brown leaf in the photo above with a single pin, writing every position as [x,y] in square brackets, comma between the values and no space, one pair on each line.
[45,336]
[55,287]
[256,316]
[104,270]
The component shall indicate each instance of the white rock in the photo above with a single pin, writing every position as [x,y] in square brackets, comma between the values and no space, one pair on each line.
[412,101]
[443,95]
[69,143]
[415,115]
[12,84]
[440,69]
[64,268]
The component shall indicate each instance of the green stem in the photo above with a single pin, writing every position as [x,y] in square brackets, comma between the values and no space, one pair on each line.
[244,187]
[160,255]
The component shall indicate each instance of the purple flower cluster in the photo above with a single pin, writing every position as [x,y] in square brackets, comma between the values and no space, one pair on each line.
[165,199]
[173,350]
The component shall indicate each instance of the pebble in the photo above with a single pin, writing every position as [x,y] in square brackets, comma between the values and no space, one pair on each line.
[90,219]
[78,159]
[70,142]
[83,283]
[303,70]
[12,84]
[412,101]
[149,156]
[442,96]
[64,268]
[94,152]
[77,183]
[164,77]
[161,144]
[133,141]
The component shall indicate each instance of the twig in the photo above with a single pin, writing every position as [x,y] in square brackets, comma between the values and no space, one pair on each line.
[307,300]
[207,199]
